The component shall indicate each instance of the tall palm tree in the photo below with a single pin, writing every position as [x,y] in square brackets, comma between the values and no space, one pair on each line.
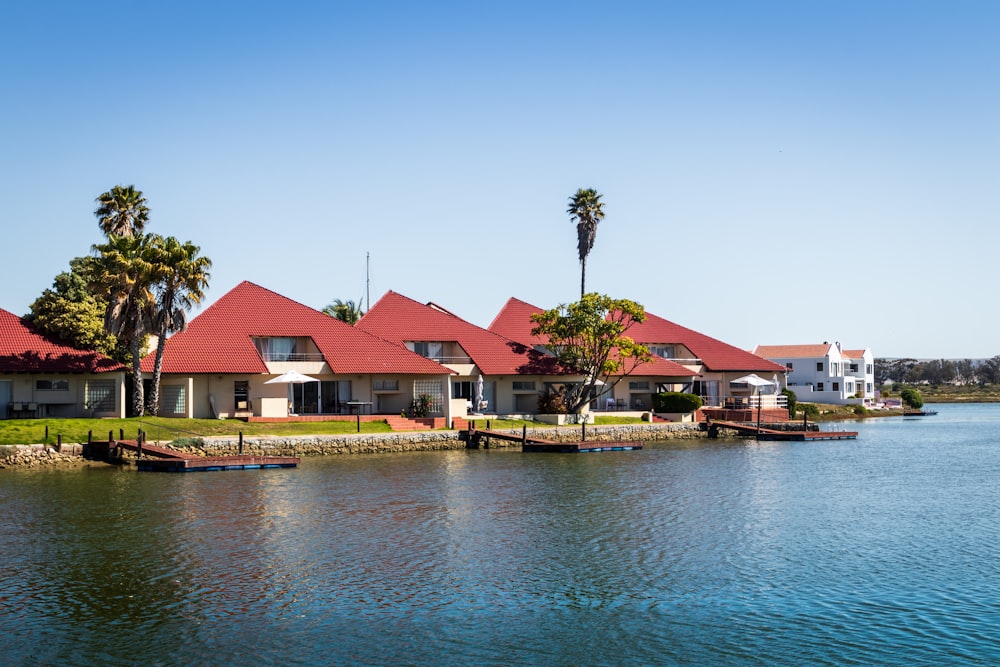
[345,311]
[585,209]
[182,277]
[122,211]
[122,275]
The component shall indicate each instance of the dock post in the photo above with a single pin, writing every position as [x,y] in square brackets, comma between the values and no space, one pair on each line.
[90,437]
[59,441]
[359,420]
[524,434]
[241,442]
[46,433]
[583,430]
[121,434]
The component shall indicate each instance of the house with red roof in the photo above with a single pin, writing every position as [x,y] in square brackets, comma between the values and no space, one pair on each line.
[504,375]
[42,377]
[825,372]
[222,365]
[514,371]
[710,365]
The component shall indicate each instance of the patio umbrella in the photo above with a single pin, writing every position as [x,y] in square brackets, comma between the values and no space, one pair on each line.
[290,378]
[756,382]
[479,395]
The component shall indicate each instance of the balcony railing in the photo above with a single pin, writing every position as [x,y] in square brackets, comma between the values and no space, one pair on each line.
[293,356]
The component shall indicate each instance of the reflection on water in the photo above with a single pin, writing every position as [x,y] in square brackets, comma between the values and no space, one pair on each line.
[875,551]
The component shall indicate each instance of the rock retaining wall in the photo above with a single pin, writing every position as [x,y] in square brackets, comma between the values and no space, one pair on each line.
[36,455]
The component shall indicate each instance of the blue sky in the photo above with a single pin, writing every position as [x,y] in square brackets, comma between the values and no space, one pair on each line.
[773,172]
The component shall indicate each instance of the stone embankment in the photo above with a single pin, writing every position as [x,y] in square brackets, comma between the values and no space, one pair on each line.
[38,455]
[364,443]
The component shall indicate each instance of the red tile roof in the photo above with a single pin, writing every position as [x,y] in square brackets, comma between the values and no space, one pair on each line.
[220,339]
[514,319]
[23,349]
[401,319]
[715,355]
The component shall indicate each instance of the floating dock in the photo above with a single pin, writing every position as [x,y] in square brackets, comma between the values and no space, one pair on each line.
[475,437]
[154,458]
[769,434]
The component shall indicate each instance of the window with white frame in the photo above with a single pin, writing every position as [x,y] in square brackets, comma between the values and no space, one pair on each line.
[174,399]
[665,351]
[100,395]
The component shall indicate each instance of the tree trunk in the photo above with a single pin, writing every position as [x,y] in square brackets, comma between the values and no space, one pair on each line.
[137,394]
[154,391]
[583,276]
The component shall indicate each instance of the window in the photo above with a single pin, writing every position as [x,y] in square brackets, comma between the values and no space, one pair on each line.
[789,366]
[428,349]
[385,385]
[819,365]
[241,394]
[276,349]
[174,399]
[819,386]
[835,368]
[836,386]
[665,351]
[869,369]
[100,395]
[639,385]
[524,385]
[854,368]
[461,390]
[52,385]
[430,388]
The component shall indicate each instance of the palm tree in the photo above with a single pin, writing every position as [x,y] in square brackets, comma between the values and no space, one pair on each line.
[122,276]
[345,311]
[182,277]
[122,211]
[585,209]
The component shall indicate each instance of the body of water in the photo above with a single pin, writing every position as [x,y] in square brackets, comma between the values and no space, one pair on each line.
[879,551]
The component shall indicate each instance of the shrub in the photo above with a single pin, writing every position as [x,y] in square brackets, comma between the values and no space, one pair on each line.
[811,409]
[673,401]
[552,402]
[792,401]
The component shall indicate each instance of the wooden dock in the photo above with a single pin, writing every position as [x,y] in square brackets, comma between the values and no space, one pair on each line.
[154,458]
[768,434]
[476,437]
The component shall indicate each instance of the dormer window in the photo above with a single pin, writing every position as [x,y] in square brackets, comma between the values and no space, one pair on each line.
[664,351]
[428,349]
[278,348]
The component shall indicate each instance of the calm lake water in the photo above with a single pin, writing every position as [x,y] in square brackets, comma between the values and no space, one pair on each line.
[879,551]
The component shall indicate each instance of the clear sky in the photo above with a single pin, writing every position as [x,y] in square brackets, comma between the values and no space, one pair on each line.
[773,172]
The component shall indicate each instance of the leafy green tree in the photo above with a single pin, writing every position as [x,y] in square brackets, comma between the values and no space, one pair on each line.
[181,277]
[585,209]
[589,338]
[345,311]
[124,271]
[912,398]
[69,312]
[122,211]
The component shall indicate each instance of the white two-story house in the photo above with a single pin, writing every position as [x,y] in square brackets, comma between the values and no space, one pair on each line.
[825,373]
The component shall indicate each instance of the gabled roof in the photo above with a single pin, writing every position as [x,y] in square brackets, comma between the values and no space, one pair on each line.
[812,351]
[714,354]
[220,339]
[514,320]
[401,319]
[23,349]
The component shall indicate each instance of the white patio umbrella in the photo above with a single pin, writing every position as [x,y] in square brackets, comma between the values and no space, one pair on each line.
[290,378]
[756,382]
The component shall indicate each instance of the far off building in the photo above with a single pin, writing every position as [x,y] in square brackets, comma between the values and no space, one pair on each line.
[825,373]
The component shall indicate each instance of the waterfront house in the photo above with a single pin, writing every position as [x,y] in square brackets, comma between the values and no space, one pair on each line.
[222,364]
[825,372]
[42,377]
[512,374]
[709,366]
[634,393]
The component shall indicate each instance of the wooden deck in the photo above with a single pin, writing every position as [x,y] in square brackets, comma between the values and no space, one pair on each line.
[475,437]
[761,433]
[154,458]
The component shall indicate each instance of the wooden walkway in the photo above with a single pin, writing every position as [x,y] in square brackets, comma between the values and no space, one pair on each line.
[166,459]
[761,433]
[475,438]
